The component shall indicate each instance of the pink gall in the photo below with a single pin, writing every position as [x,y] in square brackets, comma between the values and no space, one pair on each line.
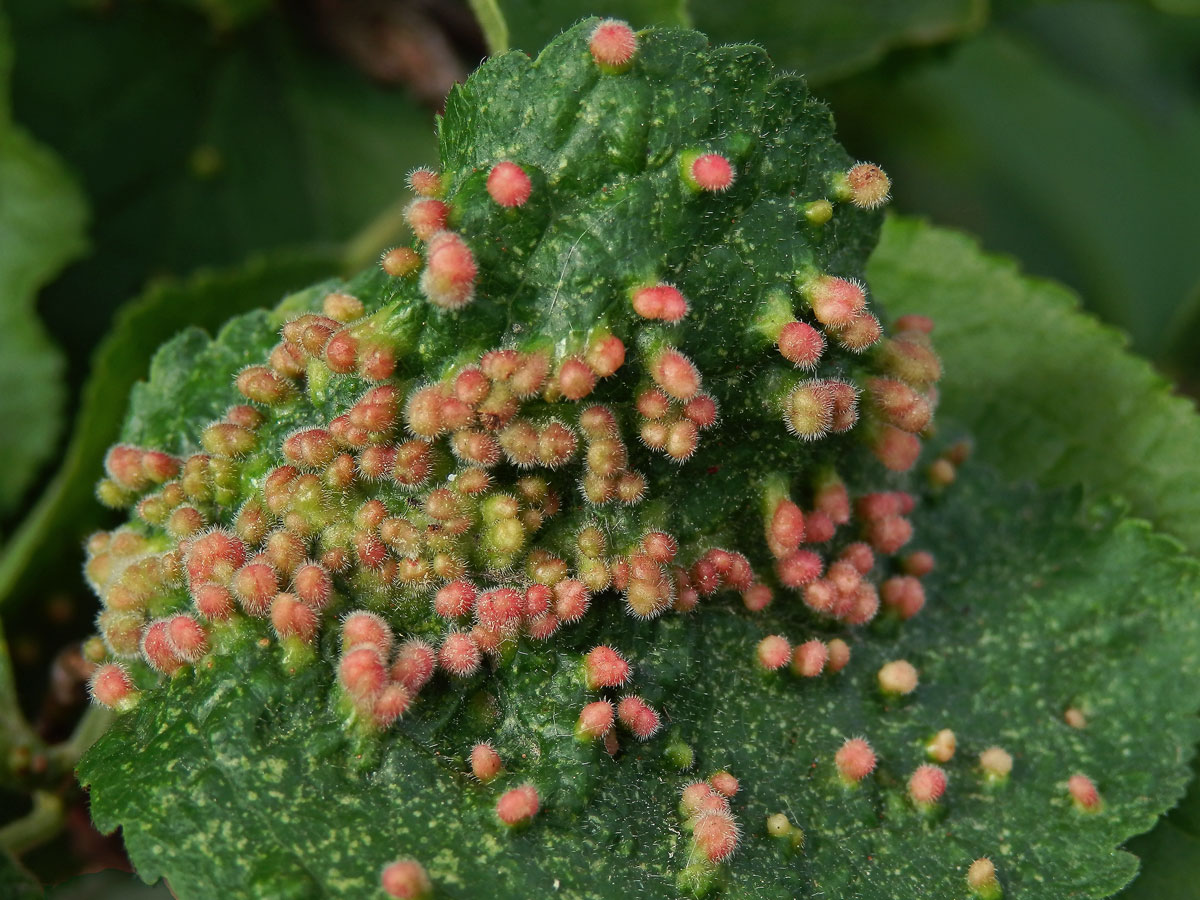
[700,797]
[639,717]
[1084,793]
[808,410]
[927,785]
[833,500]
[785,529]
[844,399]
[342,307]
[716,835]
[835,301]
[701,410]
[809,659]
[918,563]
[111,686]
[860,333]
[571,600]
[904,595]
[839,655]
[799,568]
[341,353]
[710,172]
[425,182]
[313,585]
[158,650]
[292,618]
[508,184]
[392,703]
[485,762]
[996,763]
[499,610]
[518,806]
[895,448]
[426,217]
[214,556]
[188,638]
[215,601]
[255,584]
[675,374]
[898,677]
[724,783]
[362,673]
[595,720]
[860,556]
[900,405]
[613,45]
[773,652]
[801,344]
[459,654]
[868,186]
[604,667]
[366,629]
[605,355]
[454,600]
[450,269]
[755,598]
[683,438]
[982,880]
[413,665]
[406,879]
[575,379]
[941,746]
[660,301]
[887,535]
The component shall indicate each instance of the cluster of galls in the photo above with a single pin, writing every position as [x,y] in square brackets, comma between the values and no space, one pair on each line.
[426,505]
[704,807]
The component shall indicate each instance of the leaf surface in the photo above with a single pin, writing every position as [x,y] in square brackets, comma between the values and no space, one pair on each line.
[1038,606]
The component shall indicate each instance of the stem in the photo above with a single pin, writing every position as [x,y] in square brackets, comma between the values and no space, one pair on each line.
[362,249]
[491,20]
[91,725]
[36,827]
[16,735]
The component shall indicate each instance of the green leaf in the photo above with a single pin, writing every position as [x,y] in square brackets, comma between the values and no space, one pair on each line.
[197,150]
[1123,432]
[42,220]
[43,552]
[1022,138]
[1037,607]
[825,41]
[1048,394]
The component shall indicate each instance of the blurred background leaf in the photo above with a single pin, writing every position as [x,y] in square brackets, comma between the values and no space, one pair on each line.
[42,221]
[1067,135]
[824,41]
[198,147]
